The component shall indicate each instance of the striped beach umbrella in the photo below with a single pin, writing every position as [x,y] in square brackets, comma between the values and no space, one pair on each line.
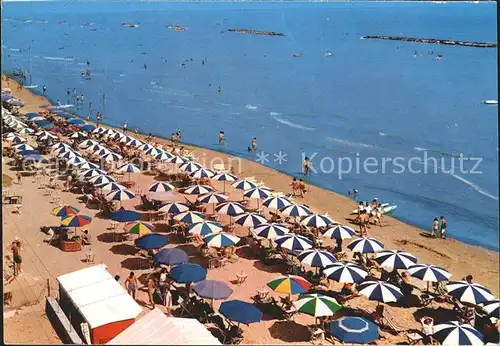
[64,211]
[95,147]
[174,208]
[145,146]
[176,160]
[244,185]
[23,146]
[129,168]
[339,232]
[112,186]
[205,227]
[429,272]
[395,259]
[76,160]
[120,195]
[213,197]
[117,135]
[293,242]
[345,272]
[134,143]
[454,333]
[491,307]
[202,173]
[380,291]
[365,245]
[68,155]
[469,292]
[163,156]
[251,220]
[102,152]
[112,157]
[224,177]
[92,172]
[101,179]
[59,145]
[289,284]
[296,210]
[139,228]
[87,166]
[190,217]
[230,208]
[15,138]
[126,139]
[109,132]
[317,305]
[87,143]
[220,240]
[160,187]
[197,190]
[25,130]
[190,166]
[316,258]
[152,151]
[276,203]
[78,135]
[43,135]
[270,230]
[317,220]
[99,130]
[60,149]
[76,221]
[257,192]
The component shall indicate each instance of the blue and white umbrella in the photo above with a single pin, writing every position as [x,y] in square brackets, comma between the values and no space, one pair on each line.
[202,173]
[15,138]
[61,149]
[429,272]
[190,217]
[395,259]
[23,146]
[75,121]
[129,168]
[197,190]
[244,185]
[176,160]
[296,210]
[111,186]
[345,272]
[161,187]
[44,135]
[354,330]
[112,157]
[119,195]
[152,151]
[230,208]
[276,203]
[163,156]
[293,242]
[224,177]
[134,143]
[317,220]
[454,333]
[68,155]
[76,160]
[365,245]
[88,143]
[251,220]
[380,291]
[174,208]
[257,192]
[78,135]
[145,147]
[109,132]
[190,166]
[205,227]
[469,293]
[95,147]
[99,130]
[126,139]
[212,197]
[316,258]
[93,172]
[87,165]
[339,232]
[491,307]
[101,179]
[24,130]
[270,230]
[221,240]
[102,152]
[117,136]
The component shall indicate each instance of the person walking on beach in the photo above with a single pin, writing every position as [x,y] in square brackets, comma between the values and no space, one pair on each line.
[301,186]
[363,220]
[435,227]
[306,165]
[294,186]
[19,177]
[443,227]
[221,137]
[178,136]
[125,127]
[16,256]
[131,284]
[151,291]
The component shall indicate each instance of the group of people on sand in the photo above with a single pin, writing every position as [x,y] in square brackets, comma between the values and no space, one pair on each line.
[298,187]
[158,287]
[439,227]
[367,211]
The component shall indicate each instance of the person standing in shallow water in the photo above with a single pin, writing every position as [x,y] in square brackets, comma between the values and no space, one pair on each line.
[222,139]
[443,227]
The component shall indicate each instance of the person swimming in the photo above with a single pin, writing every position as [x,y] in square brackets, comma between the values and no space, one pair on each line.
[219,90]
[222,138]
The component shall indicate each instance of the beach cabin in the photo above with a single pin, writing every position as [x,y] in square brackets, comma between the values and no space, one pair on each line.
[156,328]
[97,306]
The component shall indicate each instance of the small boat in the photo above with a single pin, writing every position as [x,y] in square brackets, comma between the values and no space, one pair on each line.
[130,25]
[297,55]
[328,53]
[386,209]
[490,102]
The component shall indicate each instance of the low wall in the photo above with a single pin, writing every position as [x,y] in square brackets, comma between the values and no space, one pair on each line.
[61,324]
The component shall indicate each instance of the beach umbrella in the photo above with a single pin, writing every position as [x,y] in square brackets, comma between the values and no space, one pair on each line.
[25,130]
[205,228]
[151,241]
[31,115]
[240,311]
[339,232]
[101,179]
[171,257]
[85,166]
[202,173]
[316,258]
[140,228]
[177,160]
[188,273]
[87,143]
[76,160]
[68,155]
[126,139]
[23,146]
[60,148]
[212,289]
[108,132]
[86,127]
[276,203]
[95,147]
[119,195]
[125,216]
[454,333]
[163,156]
[197,190]
[46,124]
[429,272]
[78,135]
[174,208]
[212,198]
[270,230]
[145,146]
[395,259]
[289,284]
[102,152]
[92,172]
[117,135]
[317,220]
[60,113]
[75,121]
[15,102]
[244,185]
[33,157]
[151,151]
[189,217]
[469,292]
[220,240]
[224,177]
[293,242]
[380,291]
[230,208]
[27,152]
[112,186]
[251,220]
[64,211]
[491,307]
[317,305]
[43,135]
[160,187]
[112,157]
[257,192]
[354,330]
[190,167]
[76,220]
[345,272]
[365,245]
[296,210]
[134,143]
[99,130]
[15,138]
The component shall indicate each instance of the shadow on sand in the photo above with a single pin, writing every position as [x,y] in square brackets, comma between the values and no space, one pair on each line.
[124,249]
[289,331]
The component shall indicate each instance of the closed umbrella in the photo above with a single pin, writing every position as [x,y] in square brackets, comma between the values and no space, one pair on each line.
[293,242]
[365,245]
[454,333]
[276,203]
[317,305]
[174,208]
[316,258]
[251,220]
[220,240]
[189,217]
[171,256]
[205,228]
[212,289]
[188,273]
[161,187]
[395,259]
[354,330]
[345,272]
[380,291]
[296,210]
[240,311]
[469,292]
[270,230]
[151,241]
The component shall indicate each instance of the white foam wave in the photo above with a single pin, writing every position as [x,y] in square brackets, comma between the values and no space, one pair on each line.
[58,58]
[420,149]
[294,125]
[475,187]
[383,134]
[123,75]
[14,49]
[251,107]
[349,143]
[274,113]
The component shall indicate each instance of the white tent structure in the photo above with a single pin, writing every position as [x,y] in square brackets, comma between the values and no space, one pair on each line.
[156,328]
[92,296]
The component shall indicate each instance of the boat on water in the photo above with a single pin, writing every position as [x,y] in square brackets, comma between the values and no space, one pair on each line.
[130,25]
[328,53]
[30,85]
[387,209]
[490,102]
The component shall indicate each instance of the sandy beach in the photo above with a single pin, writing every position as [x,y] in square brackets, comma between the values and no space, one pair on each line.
[42,261]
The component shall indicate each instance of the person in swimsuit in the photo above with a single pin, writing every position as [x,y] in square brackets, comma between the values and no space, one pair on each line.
[301,187]
[294,187]
[151,291]
[254,144]
[131,284]
[435,227]
[222,139]
[16,254]
[363,219]
[443,227]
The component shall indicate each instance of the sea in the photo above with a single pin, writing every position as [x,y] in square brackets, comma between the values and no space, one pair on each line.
[384,117]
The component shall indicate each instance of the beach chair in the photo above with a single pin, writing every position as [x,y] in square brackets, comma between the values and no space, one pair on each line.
[317,334]
[7,298]
[184,308]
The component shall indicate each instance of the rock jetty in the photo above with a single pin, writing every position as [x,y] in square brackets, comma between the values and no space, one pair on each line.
[434,41]
[256,32]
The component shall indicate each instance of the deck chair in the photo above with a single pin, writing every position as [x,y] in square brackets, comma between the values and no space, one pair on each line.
[7,298]
[184,308]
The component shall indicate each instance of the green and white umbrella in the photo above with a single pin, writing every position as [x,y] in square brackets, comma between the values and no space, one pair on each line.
[317,305]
